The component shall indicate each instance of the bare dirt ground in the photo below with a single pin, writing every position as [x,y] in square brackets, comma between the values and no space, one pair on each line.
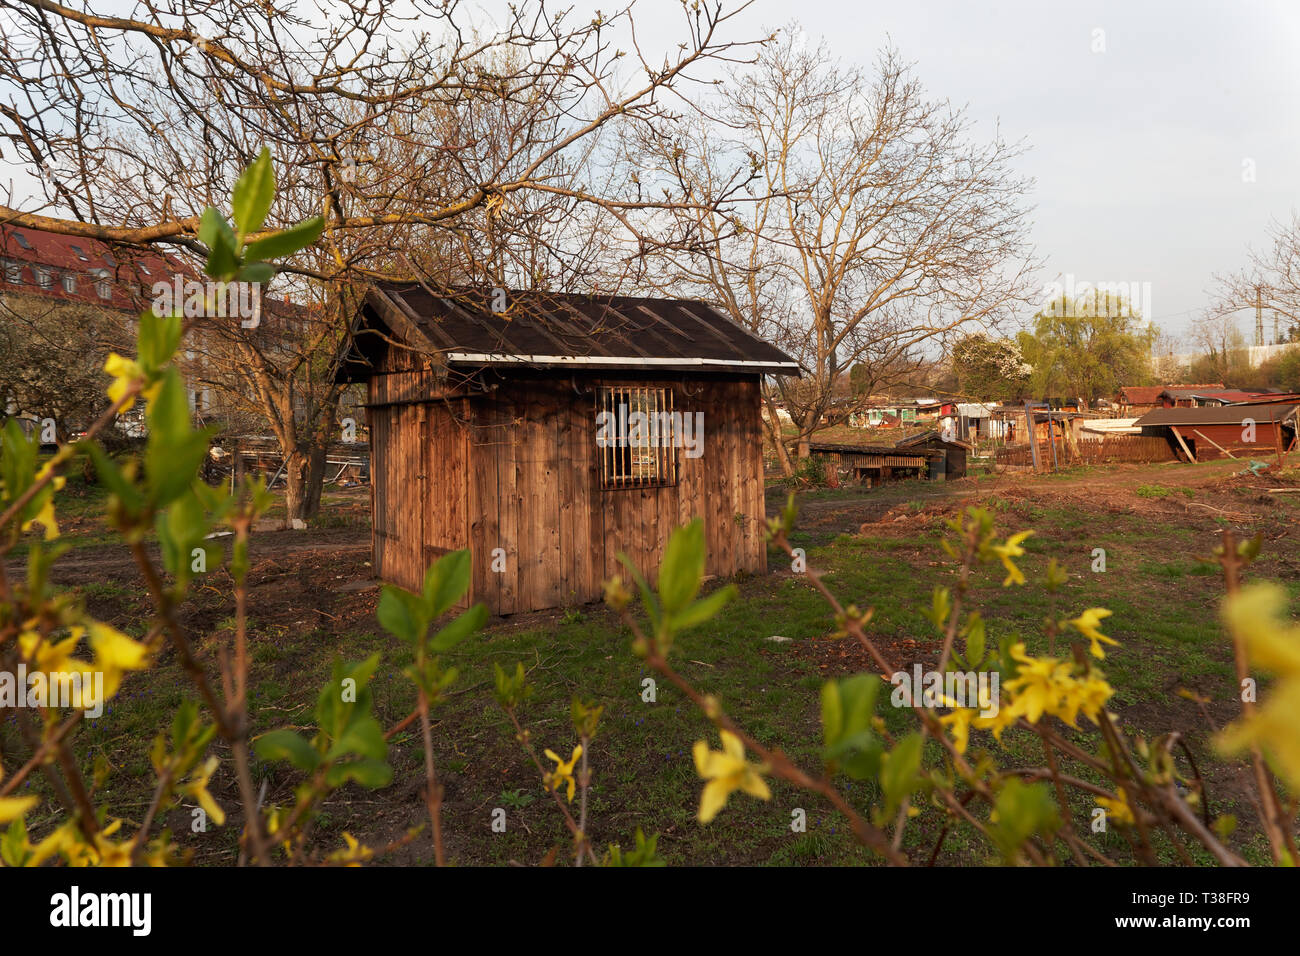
[315,588]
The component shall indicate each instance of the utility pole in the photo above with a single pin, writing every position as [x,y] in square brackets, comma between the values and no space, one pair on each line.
[1259,316]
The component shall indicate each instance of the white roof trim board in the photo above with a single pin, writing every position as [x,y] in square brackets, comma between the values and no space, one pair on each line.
[494,357]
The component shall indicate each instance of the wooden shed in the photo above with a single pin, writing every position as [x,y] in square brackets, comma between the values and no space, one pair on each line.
[547,433]
[1227,430]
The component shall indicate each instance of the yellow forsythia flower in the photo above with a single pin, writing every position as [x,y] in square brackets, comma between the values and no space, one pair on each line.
[353,854]
[1090,626]
[563,772]
[1047,685]
[115,653]
[1118,810]
[110,853]
[960,721]
[198,789]
[125,372]
[66,840]
[49,656]
[1252,615]
[1011,549]
[45,517]
[11,808]
[727,771]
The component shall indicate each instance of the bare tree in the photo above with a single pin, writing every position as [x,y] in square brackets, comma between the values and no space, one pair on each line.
[845,216]
[1270,280]
[1216,335]
[415,134]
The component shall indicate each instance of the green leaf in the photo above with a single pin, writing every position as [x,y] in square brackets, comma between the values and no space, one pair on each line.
[223,247]
[365,738]
[368,773]
[705,609]
[157,339]
[172,466]
[899,775]
[682,569]
[286,745]
[647,596]
[402,614]
[252,196]
[459,629]
[169,412]
[1023,810]
[446,582]
[257,272]
[511,689]
[285,242]
[847,709]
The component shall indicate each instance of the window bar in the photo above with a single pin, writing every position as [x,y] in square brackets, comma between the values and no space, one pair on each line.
[671,448]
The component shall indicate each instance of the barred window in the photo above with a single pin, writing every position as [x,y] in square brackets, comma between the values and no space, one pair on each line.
[636,436]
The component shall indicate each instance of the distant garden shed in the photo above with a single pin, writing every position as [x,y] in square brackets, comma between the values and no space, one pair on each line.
[549,432]
[1233,431]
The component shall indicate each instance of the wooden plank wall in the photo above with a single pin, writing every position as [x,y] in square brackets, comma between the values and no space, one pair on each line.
[533,490]
[419,469]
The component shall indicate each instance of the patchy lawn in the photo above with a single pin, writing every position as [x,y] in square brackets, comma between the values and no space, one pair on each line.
[312,599]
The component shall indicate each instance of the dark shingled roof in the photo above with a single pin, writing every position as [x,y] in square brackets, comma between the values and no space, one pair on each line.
[1217,415]
[1150,394]
[552,330]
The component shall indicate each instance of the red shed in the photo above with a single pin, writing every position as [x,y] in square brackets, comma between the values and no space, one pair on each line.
[1211,432]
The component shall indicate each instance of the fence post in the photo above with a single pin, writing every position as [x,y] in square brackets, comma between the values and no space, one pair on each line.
[1033,438]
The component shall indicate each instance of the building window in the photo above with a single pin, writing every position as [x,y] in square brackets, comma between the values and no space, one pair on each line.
[13,271]
[44,278]
[69,282]
[102,288]
[22,241]
[80,254]
[636,436]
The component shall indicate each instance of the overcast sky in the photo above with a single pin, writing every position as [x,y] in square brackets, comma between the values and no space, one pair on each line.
[1138,152]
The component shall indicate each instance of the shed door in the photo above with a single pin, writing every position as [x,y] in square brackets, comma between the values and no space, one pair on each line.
[399,516]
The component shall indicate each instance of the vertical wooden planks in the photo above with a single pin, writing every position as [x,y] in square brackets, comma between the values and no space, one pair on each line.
[567,479]
[484,505]
[504,445]
[588,501]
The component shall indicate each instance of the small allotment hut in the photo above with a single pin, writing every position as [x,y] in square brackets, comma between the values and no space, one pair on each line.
[547,433]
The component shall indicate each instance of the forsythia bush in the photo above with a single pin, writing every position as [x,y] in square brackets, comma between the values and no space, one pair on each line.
[1144,790]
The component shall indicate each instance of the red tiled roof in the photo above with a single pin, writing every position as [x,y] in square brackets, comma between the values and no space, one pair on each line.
[1271,398]
[131,272]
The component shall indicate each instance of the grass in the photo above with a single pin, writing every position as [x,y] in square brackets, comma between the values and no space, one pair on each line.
[1164,604]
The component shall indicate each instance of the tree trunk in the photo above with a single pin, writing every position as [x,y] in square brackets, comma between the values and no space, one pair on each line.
[304,474]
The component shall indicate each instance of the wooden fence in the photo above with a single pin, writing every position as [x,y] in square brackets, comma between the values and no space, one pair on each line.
[1133,448]
[1089,451]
